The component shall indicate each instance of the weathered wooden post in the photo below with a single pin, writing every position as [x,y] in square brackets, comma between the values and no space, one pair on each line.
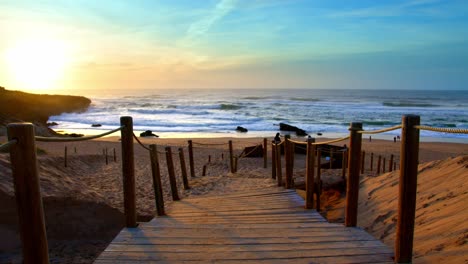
[372,161]
[75,150]
[363,161]
[287,162]
[265,153]
[352,186]
[204,170]
[28,193]
[128,170]
[379,161]
[231,157]
[107,160]
[273,161]
[318,183]
[310,168]
[383,165]
[390,163]
[171,172]
[191,163]
[279,172]
[65,157]
[344,160]
[209,158]
[183,169]
[407,189]
[157,185]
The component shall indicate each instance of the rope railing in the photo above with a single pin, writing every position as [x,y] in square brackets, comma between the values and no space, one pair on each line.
[380,130]
[6,146]
[139,142]
[209,144]
[58,139]
[330,141]
[243,155]
[443,129]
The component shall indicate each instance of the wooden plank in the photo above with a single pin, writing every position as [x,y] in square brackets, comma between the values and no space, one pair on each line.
[269,226]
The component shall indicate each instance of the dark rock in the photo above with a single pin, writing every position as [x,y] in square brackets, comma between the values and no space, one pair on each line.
[96,125]
[241,129]
[148,133]
[319,134]
[74,135]
[52,124]
[286,127]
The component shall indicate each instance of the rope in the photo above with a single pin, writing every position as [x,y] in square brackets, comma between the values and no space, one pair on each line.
[380,130]
[298,142]
[139,142]
[250,152]
[57,139]
[6,146]
[331,141]
[209,144]
[445,130]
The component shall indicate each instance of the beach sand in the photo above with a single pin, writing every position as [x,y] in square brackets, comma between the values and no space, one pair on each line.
[84,202]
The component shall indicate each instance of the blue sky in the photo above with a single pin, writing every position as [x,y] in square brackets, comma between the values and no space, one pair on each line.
[418,44]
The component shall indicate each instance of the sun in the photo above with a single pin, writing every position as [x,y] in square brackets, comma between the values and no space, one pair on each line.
[37,64]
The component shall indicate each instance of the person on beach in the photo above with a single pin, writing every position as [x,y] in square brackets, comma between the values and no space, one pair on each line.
[277,139]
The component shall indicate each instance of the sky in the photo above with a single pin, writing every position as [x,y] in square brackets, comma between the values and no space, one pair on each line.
[333,44]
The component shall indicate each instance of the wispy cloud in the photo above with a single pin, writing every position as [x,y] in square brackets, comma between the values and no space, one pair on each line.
[200,27]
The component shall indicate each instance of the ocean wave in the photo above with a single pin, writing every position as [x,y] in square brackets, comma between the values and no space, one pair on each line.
[301,99]
[229,107]
[408,104]
[378,123]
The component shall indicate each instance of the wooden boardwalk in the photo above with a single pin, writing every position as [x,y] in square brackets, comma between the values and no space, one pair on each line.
[268,226]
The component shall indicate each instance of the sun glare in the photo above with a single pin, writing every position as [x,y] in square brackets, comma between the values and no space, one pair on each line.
[37,65]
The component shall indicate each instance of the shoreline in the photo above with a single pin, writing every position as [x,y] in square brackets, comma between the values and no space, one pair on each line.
[253,134]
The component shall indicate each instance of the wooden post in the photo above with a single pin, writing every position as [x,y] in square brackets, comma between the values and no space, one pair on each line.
[171,172]
[115,156]
[231,157]
[343,164]
[65,157]
[28,193]
[372,161]
[378,164]
[288,162]
[265,153]
[383,165]
[183,169]
[318,183]
[204,170]
[107,160]
[407,189]
[209,158]
[222,156]
[331,159]
[75,150]
[363,161]
[191,163]
[128,170]
[279,172]
[352,186]
[390,163]
[157,185]
[310,168]
[273,161]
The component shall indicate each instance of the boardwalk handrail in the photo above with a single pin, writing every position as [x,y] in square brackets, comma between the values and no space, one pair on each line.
[22,147]
[74,139]
[443,129]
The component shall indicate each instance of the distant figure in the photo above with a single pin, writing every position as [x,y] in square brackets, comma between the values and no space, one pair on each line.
[398,138]
[370,138]
[394,139]
[277,139]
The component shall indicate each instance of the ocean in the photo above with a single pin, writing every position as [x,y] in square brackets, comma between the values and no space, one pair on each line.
[217,113]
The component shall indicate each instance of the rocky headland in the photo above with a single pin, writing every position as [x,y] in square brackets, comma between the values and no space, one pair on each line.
[17,106]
